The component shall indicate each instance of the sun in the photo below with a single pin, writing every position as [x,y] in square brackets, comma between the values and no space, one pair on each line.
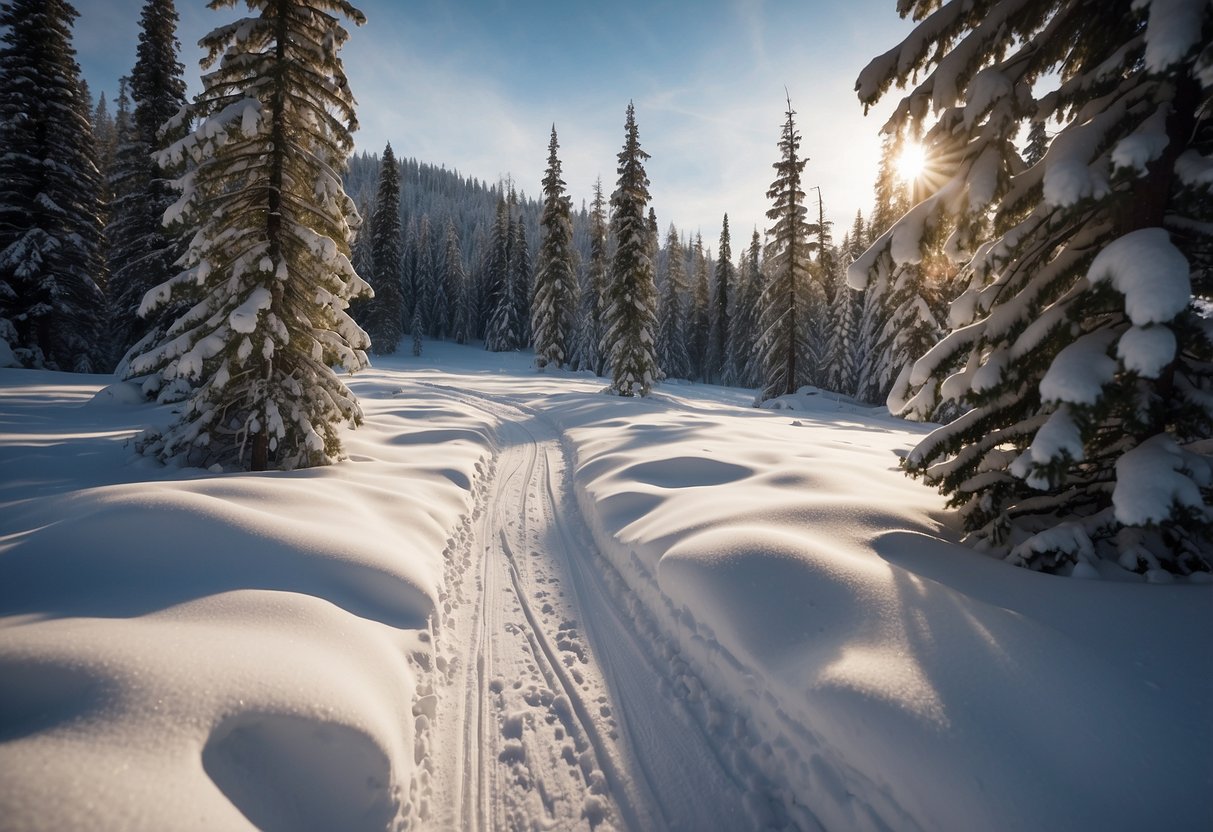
[911,162]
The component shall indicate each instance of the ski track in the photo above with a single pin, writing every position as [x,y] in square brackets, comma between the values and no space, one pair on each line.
[547,706]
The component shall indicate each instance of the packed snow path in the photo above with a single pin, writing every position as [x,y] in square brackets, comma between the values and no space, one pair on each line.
[548,712]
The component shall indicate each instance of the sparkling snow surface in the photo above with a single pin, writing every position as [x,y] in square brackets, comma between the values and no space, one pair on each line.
[522,603]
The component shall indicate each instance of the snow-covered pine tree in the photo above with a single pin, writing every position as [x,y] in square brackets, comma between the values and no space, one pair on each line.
[498,327]
[841,371]
[593,292]
[456,281]
[671,318]
[745,331]
[1078,353]
[440,295]
[699,312]
[385,312]
[555,280]
[786,360]
[425,275]
[52,306]
[720,361]
[143,253]
[631,294]
[417,326]
[268,271]
[520,281]
[891,201]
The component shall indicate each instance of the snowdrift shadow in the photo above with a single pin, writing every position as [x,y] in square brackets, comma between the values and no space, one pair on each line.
[286,772]
[39,694]
[191,548]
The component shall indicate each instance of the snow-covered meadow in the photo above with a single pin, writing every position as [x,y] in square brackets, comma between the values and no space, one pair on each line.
[186,649]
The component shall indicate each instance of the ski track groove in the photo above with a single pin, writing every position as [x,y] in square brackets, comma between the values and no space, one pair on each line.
[693,765]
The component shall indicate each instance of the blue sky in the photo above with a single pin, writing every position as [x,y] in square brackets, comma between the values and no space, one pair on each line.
[477,84]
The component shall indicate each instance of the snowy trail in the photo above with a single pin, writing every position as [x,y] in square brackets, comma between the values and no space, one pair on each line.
[549,712]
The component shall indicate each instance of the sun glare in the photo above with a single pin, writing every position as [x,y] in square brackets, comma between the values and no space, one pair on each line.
[911,162]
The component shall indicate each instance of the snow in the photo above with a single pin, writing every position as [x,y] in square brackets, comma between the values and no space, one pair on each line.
[1152,274]
[1172,30]
[523,603]
[1147,350]
[1154,476]
[1080,371]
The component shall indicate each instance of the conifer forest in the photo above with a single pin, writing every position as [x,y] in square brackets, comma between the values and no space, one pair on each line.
[346,489]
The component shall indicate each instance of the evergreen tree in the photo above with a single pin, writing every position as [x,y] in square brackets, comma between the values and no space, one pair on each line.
[671,320]
[555,280]
[425,276]
[440,297]
[267,272]
[417,326]
[501,331]
[1038,143]
[747,320]
[520,282]
[699,316]
[457,284]
[631,293]
[143,252]
[1078,356]
[385,313]
[720,362]
[784,346]
[594,296]
[51,303]
[876,374]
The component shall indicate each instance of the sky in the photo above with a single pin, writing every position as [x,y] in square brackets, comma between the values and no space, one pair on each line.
[476,85]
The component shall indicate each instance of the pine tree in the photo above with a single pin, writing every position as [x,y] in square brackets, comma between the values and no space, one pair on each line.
[876,374]
[671,319]
[520,282]
[501,329]
[594,296]
[699,313]
[440,298]
[385,313]
[631,293]
[555,280]
[1077,355]
[720,362]
[747,320]
[784,345]
[425,276]
[51,302]
[268,271]
[457,284]
[143,252]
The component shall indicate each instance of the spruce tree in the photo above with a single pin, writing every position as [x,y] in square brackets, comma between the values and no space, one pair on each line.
[1077,355]
[594,296]
[747,320]
[268,272]
[520,281]
[143,252]
[671,319]
[501,329]
[52,305]
[425,276]
[631,293]
[385,312]
[699,313]
[456,282]
[555,280]
[785,302]
[720,362]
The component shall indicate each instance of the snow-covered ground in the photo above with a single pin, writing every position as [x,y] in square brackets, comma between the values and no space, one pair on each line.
[525,604]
